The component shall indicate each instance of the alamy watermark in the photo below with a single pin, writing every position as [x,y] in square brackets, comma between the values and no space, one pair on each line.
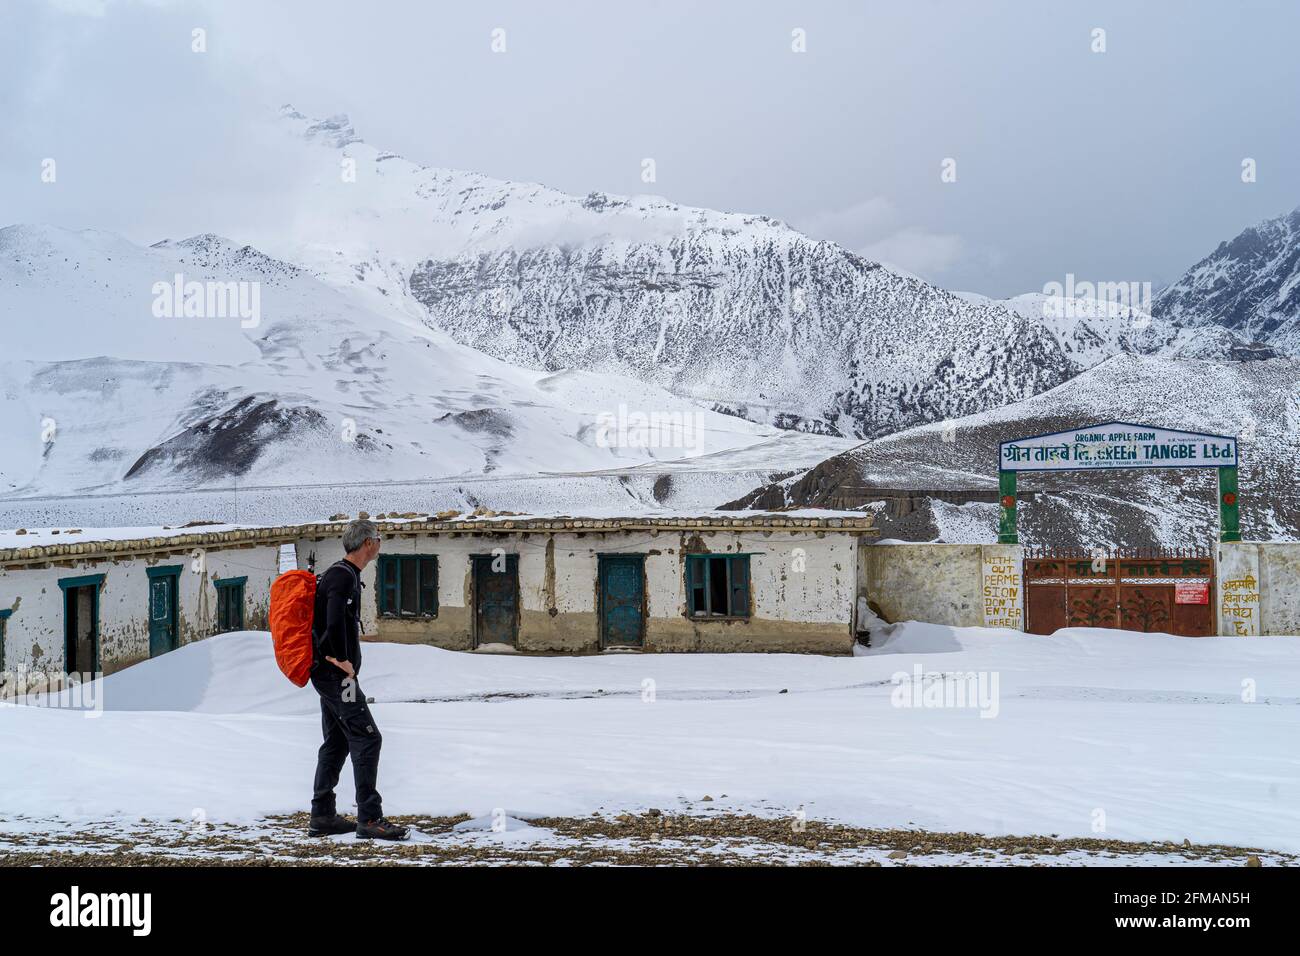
[977,690]
[1073,299]
[635,429]
[208,300]
[53,689]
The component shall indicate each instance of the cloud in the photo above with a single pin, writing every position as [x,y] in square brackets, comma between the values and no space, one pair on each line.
[918,251]
[853,225]
[872,228]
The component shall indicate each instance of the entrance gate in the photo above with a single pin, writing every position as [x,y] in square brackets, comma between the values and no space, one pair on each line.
[1119,445]
[1151,591]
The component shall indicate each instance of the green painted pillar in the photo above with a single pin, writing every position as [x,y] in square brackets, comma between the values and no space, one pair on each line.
[1229,517]
[1007,495]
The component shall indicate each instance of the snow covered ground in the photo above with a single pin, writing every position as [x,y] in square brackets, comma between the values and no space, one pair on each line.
[1085,734]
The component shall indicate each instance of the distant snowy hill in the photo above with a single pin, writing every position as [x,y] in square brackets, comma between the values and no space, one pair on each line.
[98,393]
[941,481]
[1091,331]
[1249,285]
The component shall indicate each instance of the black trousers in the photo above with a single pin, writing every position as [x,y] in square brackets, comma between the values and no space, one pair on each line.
[349,729]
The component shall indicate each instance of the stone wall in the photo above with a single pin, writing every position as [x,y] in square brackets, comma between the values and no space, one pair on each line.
[962,585]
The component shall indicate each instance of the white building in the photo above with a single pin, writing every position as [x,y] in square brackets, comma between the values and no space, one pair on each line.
[719,582]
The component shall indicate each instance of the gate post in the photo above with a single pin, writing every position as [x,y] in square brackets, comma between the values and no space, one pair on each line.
[1229,517]
[1007,496]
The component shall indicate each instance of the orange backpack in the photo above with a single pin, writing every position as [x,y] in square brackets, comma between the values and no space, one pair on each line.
[293,604]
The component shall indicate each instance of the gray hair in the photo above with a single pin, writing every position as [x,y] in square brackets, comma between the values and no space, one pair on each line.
[358,533]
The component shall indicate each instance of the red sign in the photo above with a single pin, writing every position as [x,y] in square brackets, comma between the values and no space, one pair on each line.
[1191,592]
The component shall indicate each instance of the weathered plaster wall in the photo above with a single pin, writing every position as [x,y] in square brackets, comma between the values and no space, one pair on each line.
[1279,568]
[961,585]
[802,586]
[1258,588]
[802,589]
[937,583]
[34,636]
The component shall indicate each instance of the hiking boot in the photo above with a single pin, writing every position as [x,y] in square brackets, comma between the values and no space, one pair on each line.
[380,829]
[329,826]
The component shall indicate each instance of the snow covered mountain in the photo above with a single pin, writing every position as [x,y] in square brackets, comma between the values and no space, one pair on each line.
[1249,285]
[738,311]
[416,322]
[940,482]
[108,385]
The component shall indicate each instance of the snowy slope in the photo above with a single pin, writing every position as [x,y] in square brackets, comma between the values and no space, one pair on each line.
[99,394]
[950,473]
[215,726]
[1091,330]
[1249,285]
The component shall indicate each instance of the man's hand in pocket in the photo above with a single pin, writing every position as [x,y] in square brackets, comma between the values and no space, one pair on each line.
[344,666]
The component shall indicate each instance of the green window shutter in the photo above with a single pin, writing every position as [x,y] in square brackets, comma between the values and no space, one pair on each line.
[230,603]
[428,586]
[409,581]
[738,565]
[388,585]
[696,584]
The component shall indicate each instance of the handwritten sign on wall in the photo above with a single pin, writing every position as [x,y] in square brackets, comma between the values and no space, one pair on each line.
[1003,588]
[1240,605]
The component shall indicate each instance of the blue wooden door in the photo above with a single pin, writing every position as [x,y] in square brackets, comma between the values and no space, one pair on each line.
[496,598]
[162,614]
[622,600]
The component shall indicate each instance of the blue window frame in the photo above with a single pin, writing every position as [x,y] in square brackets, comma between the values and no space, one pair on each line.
[717,585]
[408,585]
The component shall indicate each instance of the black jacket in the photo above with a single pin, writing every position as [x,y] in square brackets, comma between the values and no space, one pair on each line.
[336,622]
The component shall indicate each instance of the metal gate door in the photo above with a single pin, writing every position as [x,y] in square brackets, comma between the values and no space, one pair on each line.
[1152,591]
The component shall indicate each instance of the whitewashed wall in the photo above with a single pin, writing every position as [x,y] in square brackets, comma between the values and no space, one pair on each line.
[34,635]
[802,599]
[802,586]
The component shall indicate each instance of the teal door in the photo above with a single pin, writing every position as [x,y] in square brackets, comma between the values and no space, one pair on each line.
[496,598]
[163,636]
[622,600]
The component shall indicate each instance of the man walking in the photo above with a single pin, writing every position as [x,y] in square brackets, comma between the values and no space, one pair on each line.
[346,721]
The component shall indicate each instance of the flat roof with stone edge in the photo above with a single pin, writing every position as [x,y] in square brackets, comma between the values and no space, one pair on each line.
[78,545]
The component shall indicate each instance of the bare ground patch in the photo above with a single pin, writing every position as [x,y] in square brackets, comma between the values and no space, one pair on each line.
[647,838]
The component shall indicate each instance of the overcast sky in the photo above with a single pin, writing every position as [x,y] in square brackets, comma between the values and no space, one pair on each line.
[1123,165]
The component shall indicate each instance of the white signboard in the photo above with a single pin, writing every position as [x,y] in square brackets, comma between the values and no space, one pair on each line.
[1117,445]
